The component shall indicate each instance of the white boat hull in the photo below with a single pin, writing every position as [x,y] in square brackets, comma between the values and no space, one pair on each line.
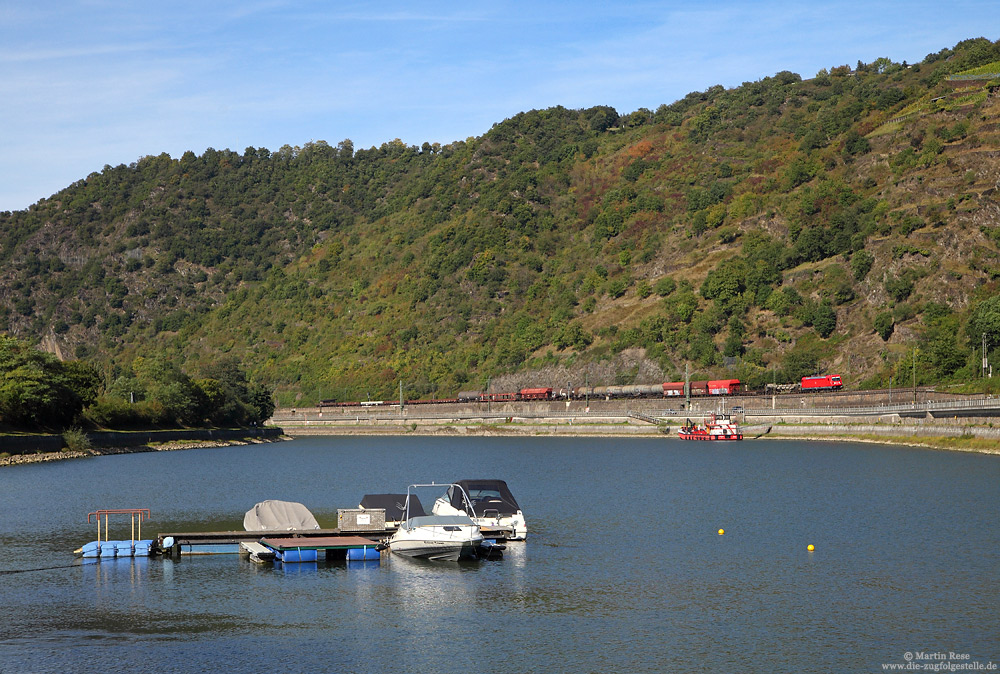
[437,551]
[437,538]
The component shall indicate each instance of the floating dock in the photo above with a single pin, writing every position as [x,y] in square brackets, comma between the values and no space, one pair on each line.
[299,545]
[228,542]
[135,546]
[352,548]
[174,544]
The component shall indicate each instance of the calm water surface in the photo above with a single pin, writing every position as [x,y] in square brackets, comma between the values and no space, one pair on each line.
[624,570]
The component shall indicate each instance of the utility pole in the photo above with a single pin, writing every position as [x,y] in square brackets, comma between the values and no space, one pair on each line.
[984,354]
[914,375]
[687,386]
[400,397]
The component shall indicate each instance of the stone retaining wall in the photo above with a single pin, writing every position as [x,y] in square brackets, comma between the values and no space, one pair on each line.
[25,444]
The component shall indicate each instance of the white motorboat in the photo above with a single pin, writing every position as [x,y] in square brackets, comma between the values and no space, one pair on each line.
[492,506]
[436,537]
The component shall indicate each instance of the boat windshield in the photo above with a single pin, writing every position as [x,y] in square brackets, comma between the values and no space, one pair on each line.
[476,494]
[434,492]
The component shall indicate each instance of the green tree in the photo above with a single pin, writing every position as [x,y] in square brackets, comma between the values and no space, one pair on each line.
[166,384]
[572,335]
[799,362]
[824,319]
[602,118]
[984,322]
[855,143]
[861,264]
[734,340]
[798,172]
[883,325]
[39,391]
[899,288]
[682,306]
[664,286]
[261,400]
[939,343]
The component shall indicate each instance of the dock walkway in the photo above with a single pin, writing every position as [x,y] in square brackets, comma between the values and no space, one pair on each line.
[314,539]
[301,549]
[318,543]
[236,537]
[195,542]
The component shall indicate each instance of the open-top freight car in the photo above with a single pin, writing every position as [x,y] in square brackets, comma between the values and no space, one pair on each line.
[513,396]
[536,393]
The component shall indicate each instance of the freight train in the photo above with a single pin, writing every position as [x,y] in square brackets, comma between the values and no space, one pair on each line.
[718,387]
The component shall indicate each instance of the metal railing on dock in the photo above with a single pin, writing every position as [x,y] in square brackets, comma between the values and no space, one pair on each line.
[140,513]
[986,406]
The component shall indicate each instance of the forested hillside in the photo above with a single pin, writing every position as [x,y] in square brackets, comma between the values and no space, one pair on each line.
[846,222]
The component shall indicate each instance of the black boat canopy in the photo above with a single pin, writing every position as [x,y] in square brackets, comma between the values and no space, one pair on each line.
[394,505]
[488,496]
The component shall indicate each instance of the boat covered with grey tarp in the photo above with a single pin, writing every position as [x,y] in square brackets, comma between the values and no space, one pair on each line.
[279,516]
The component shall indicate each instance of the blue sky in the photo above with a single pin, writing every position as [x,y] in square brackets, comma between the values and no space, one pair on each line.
[91,83]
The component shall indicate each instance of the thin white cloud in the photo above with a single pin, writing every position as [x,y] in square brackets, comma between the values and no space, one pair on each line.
[26,54]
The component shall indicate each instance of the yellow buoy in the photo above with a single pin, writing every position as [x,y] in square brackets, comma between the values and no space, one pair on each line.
[722,531]
[810,548]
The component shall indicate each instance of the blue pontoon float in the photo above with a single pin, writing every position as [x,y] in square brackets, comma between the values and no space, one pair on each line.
[105,548]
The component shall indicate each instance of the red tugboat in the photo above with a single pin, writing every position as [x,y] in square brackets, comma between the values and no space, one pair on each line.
[716,427]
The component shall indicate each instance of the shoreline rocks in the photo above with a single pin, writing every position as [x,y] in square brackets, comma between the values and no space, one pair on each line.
[173,445]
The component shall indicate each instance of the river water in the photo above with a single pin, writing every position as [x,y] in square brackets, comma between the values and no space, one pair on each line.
[623,570]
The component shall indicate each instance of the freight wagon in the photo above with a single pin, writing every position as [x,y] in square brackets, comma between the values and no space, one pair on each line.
[673,389]
[536,393]
[724,387]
